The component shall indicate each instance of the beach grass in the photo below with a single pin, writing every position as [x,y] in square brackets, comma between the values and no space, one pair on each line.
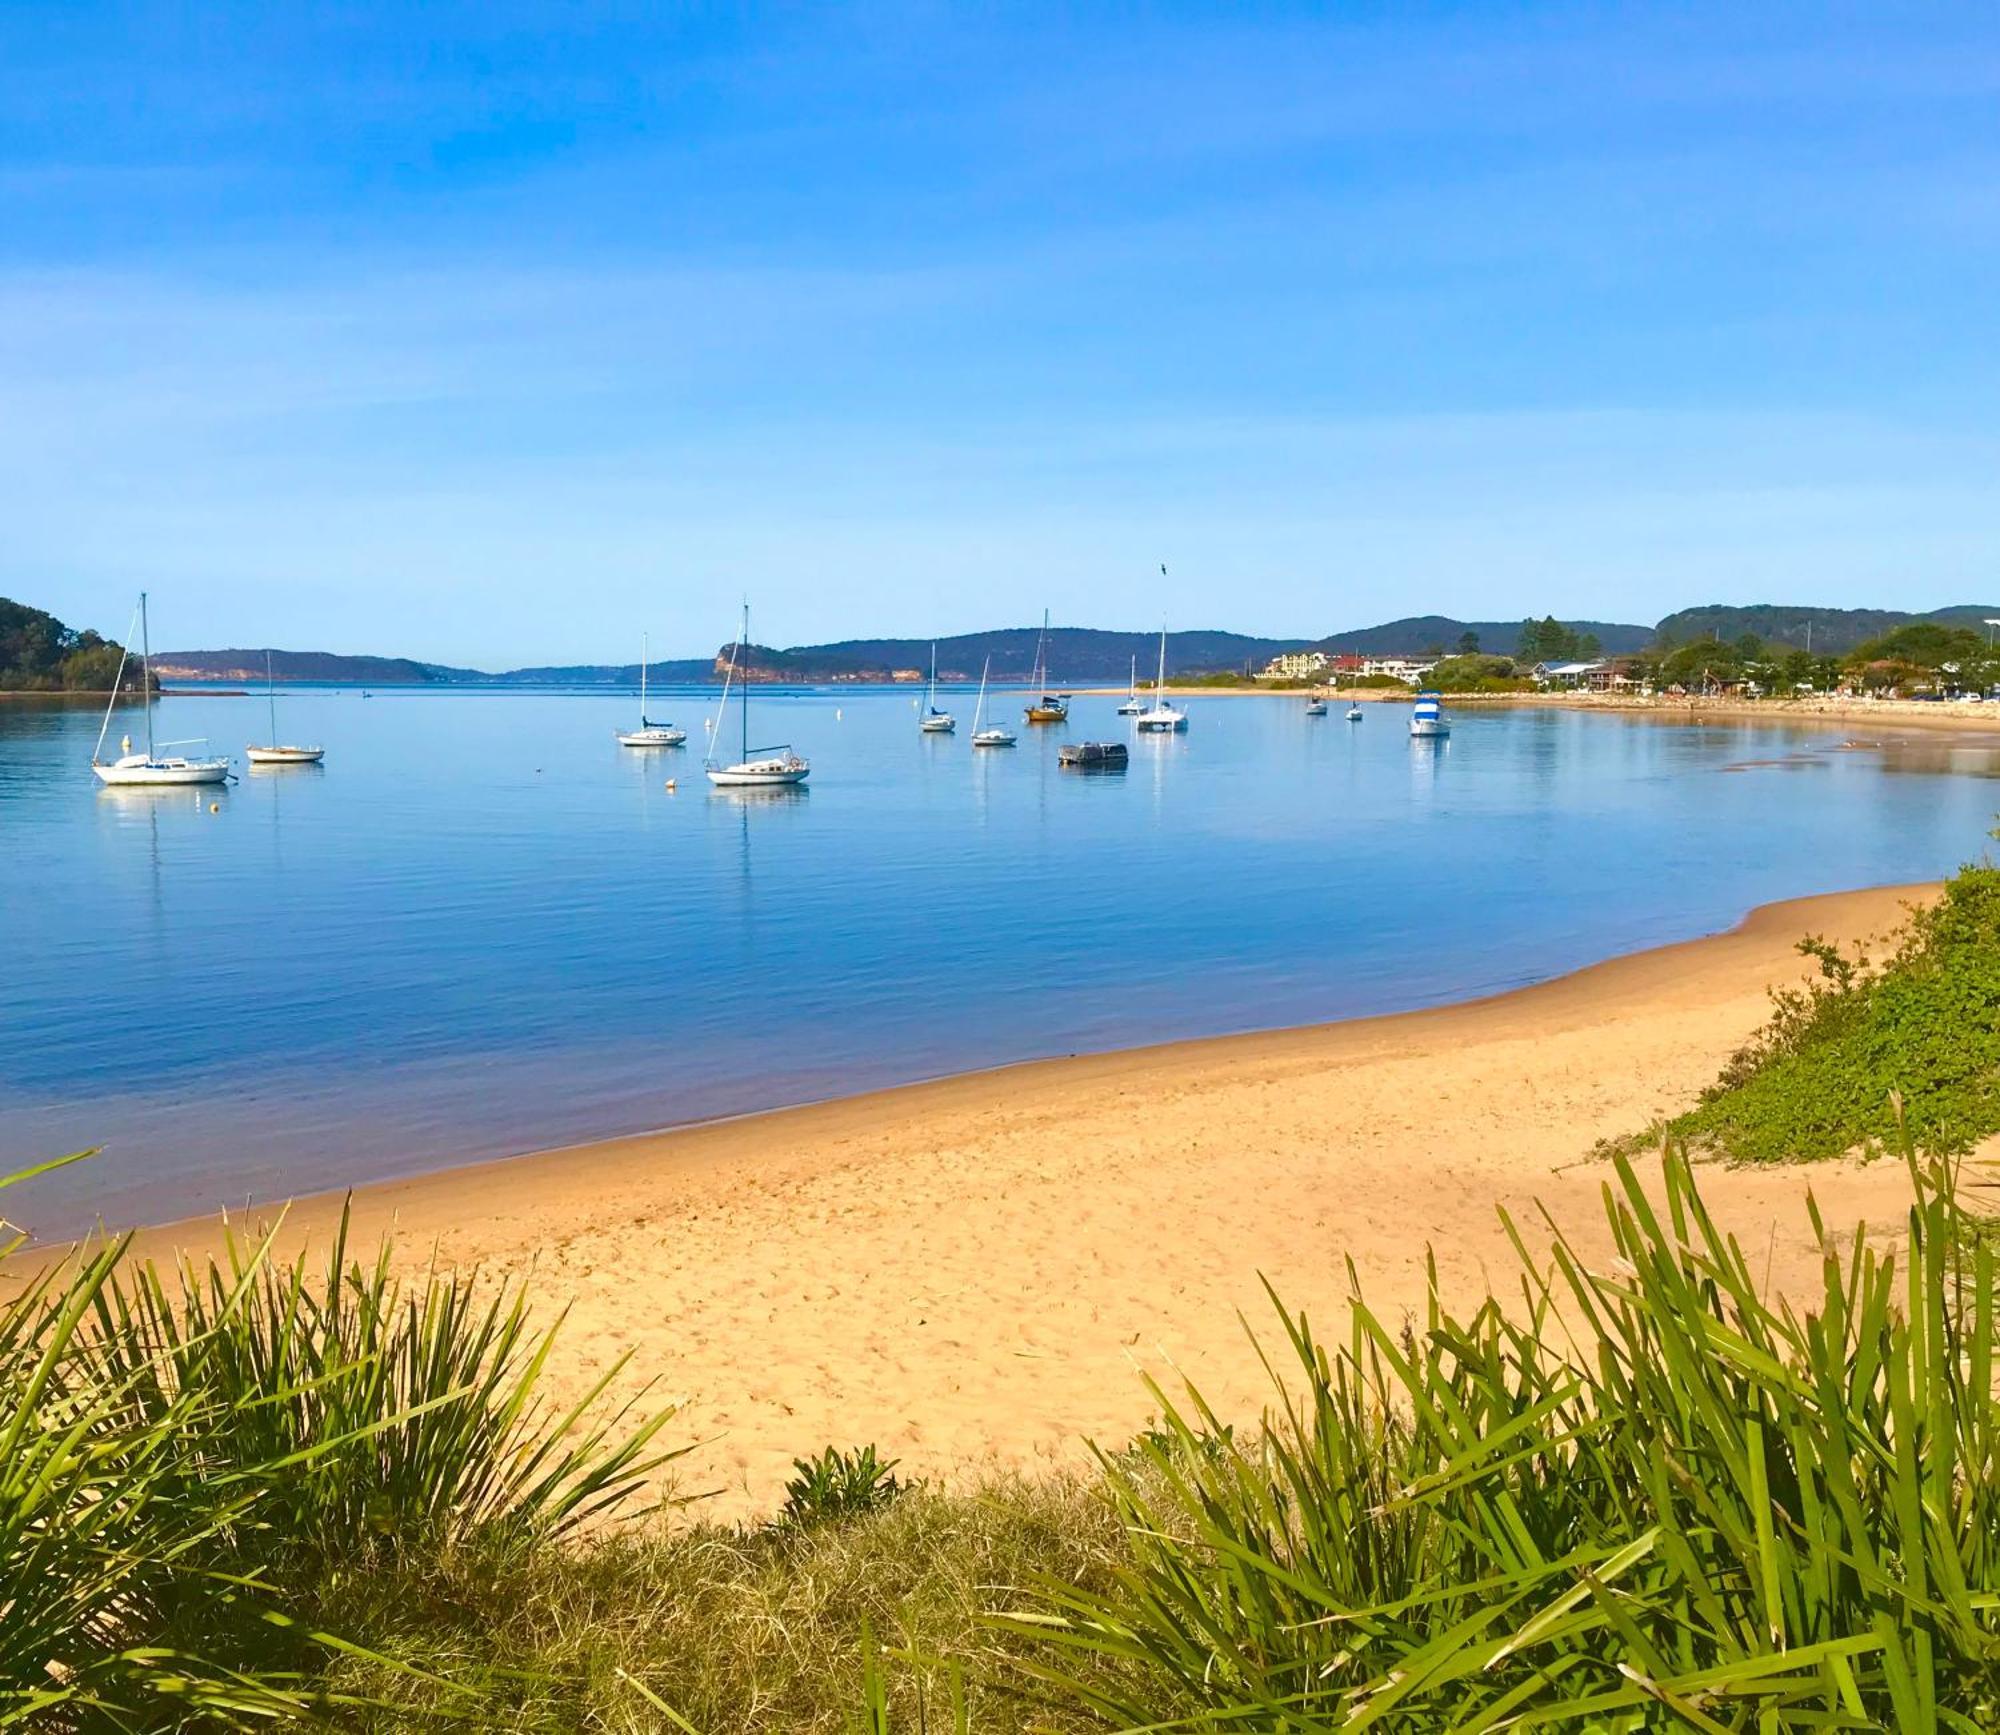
[1633,1492]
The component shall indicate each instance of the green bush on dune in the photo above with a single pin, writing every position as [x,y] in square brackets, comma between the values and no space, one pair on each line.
[191,1464]
[1873,1050]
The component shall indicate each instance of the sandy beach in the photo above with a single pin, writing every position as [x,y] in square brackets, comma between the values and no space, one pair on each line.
[973,1271]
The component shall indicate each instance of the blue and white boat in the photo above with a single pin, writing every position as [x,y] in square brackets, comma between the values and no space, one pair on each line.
[1427,721]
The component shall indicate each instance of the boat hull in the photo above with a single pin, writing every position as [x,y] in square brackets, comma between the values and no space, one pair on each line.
[653,738]
[938,725]
[754,776]
[162,775]
[993,738]
[284,755]
[1094,756]
[1429,729]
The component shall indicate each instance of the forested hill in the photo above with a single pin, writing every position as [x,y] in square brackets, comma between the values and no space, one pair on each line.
[1833,630]
[38,654]
[248,665]
[1436,632]
[1077,656]
[1082,656]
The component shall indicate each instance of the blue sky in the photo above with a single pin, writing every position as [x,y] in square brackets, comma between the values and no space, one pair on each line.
[493,333]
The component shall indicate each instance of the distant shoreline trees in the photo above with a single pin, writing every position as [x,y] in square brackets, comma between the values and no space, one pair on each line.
[38,654]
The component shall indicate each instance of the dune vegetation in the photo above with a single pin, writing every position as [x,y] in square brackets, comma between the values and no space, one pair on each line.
[1638,1495]
[1877,1049]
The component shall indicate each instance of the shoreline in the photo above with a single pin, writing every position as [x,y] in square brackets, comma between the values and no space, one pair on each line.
[971,1272]
[1818,712]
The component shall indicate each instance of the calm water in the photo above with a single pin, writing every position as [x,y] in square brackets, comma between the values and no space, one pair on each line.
[484,927]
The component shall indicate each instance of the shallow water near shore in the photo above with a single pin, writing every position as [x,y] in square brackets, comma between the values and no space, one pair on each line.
[483,927]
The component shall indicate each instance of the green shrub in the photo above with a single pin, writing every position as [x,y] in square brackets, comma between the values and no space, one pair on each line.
[837,1485]
[188,1471]
[1872,1050]
[1650,1499]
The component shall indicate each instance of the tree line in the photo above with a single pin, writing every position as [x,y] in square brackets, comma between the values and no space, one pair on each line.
[38,654]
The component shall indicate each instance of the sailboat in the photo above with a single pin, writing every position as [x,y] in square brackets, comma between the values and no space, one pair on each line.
[1316,706]
[935,722]
[1162,715]
[1047,707]
[649,733]
[274,754]
[995,736]
[759,768]
[150,769]
[1132,707]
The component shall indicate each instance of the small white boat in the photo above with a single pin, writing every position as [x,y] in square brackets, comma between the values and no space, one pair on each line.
[649,734]
[760,767]
[1317,708]
[995,736]
[1354,713]
[1161,715]
[151,769]
[275,755]
[1427,721]
[1133,706]
[935,722]
[284,755]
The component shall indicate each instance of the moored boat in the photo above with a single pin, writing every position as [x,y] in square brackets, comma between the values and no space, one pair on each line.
[935,722]
[151,769]
[649,734]
[994,735]
[1047,707]
[274,754]
[1093,755]
[759,767]
[1428,721]
[1162,715]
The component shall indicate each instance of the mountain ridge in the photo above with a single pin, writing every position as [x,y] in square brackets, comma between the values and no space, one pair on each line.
[1076,656]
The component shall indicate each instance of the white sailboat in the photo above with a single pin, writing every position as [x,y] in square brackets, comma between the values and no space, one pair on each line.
[150,769]
[1132,707]
[649,733]
[275,754]
[996,736]
[759,768]
[1162,715]
[1427,720]
[1316,707]
[935,722]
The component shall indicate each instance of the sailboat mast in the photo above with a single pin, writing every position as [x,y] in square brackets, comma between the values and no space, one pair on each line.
[271,695]
[1160,683]
[979,709]
[645,653]
[146,674]
[745,640]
